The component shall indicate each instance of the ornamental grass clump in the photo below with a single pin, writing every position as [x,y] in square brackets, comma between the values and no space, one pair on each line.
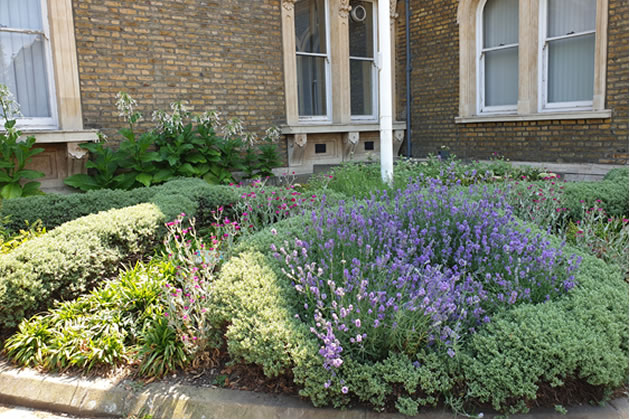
[418,269]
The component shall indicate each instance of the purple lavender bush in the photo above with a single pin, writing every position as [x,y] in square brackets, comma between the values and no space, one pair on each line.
[416,269]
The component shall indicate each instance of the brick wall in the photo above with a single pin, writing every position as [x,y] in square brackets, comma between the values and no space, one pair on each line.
[215,54]
[435,87]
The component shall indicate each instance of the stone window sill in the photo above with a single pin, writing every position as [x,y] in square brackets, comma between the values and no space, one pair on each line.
[61,136]
[336,128]
[541,116]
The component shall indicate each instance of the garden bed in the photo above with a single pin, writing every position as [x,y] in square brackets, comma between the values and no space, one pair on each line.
[446,290]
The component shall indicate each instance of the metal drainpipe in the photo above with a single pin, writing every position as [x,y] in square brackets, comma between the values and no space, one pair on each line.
[409,68]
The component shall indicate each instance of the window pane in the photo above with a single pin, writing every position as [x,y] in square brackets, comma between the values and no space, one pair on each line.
[23,70]
[361,87]
[21,14]
[501,77]
[362,33]
[500,23]
[571,16]
[571,69]
[311,72]
[310,26]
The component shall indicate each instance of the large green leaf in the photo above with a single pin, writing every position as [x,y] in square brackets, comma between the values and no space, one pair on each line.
[187,169]
[29,174]
[83,182]
[13,190]
[145,179]
[32,188]
[196,158]
[150,157]
[162,175]
[5,178]
[211,178]
[7,164]
[125,181]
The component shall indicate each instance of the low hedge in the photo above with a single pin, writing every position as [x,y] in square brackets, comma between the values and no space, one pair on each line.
[613,194]
[581,336]
[70,259]
[56,209]
[618,174]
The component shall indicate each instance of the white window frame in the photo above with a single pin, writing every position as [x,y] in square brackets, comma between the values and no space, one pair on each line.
[375,79]
[43,123]
[482,109]
[324,119]
[543,65]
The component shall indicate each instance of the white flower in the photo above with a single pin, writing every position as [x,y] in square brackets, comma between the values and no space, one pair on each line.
[233,127]
[250,138]
[211,118]
[8,106]
[126,105]
[273,134]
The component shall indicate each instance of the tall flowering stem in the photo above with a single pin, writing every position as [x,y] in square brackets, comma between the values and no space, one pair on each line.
[186,298]
[603,236]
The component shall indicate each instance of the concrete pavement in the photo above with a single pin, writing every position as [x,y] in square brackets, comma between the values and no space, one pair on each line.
[101,397]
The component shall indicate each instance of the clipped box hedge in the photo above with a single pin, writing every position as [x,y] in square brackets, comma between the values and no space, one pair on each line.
[56,209]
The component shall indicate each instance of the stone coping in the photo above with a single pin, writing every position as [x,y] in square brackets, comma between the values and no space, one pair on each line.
[106,398]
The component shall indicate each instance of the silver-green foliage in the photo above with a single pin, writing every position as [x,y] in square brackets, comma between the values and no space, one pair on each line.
[70,259]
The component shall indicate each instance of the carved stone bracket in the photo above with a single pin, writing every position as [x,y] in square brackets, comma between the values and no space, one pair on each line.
[399,137]
[392,9]
[344,9]
[300,140]
[350,142]
[297,149]
[289,4]
[76,152]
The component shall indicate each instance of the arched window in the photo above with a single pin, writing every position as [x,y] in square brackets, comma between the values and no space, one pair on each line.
[498,55]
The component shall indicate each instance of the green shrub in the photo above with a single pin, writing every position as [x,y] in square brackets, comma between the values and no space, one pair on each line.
[70,259]
[618,175]
[613,196]
[183,144]
[582,336]
[181,195]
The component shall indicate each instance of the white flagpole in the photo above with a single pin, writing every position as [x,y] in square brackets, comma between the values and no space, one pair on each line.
[385,87]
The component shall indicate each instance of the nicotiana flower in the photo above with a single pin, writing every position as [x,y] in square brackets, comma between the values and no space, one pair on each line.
[233,127]
[209,118]
[250,138]
[8,105]
[126,105]
[273,134]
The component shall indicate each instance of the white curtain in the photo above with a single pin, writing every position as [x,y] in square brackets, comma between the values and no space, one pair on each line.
[23,56]
[500,29]
[571,59]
